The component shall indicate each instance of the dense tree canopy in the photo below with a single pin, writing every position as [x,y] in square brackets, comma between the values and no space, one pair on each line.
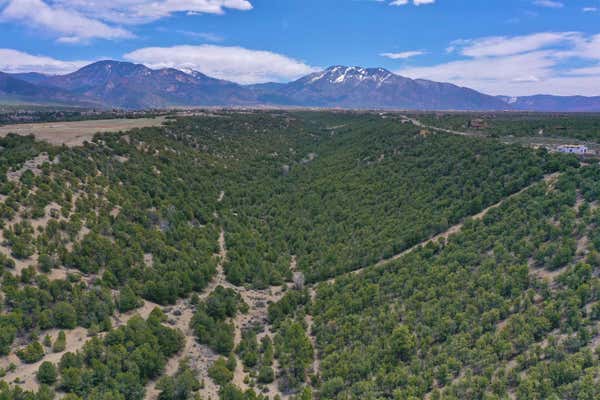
[508,306]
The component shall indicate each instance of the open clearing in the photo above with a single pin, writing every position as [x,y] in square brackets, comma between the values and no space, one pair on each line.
[76,132]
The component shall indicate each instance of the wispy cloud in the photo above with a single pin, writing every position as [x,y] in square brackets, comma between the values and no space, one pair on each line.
[502,45]
[521,65]
[206,36]
[402,55]
[549,3]
[406,2]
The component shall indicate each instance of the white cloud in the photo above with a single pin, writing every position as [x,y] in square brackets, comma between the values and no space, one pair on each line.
[402,55]
[206,36]
[522,65]
[501,69]
[549,3]
[589,9]
[77,21]
[232,63]
[503,46]
[142,11]
[13,61]
[415,2]
[70,25]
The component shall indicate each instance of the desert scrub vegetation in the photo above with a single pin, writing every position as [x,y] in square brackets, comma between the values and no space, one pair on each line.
[92,234]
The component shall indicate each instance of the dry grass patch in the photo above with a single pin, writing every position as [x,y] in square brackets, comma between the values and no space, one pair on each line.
[76,133]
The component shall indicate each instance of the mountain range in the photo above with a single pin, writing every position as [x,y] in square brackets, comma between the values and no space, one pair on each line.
[114,84]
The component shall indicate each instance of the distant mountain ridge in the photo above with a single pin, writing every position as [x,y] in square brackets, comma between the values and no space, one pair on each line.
[127,85]
[357,87]
[115,84]
[14,89]
[553,103]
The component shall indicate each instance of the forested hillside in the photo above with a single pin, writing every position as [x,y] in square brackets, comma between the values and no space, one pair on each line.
[344,191]
[211,257]
[552,125]
[508,307]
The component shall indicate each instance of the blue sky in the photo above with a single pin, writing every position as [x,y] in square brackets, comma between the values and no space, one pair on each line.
[513,47]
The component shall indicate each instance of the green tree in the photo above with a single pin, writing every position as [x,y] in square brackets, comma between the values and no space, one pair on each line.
[7,336]
[47,373]
[65,316]
[295,353]
[32,353]
[128,300]
[181,386]
[60,344]
[402,343]
[219,372]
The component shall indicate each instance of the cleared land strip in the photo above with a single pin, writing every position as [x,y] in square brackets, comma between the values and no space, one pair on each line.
[76,132]
[450,231]
[419,124]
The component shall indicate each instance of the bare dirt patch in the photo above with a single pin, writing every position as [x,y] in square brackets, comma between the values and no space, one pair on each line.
[76,133]
[180,317]
[201,356]
[33,165]
[316,364]
[26,373]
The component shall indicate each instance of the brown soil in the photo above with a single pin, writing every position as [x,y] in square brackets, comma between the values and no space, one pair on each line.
[76,133]
[201,356]
[34,165]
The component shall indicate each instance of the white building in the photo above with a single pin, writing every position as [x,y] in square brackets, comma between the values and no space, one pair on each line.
[573,149]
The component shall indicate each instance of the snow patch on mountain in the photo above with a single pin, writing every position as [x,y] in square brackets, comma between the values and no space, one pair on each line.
[350,75]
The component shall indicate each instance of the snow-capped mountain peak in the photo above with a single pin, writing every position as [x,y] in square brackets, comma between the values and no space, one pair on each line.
[339,75]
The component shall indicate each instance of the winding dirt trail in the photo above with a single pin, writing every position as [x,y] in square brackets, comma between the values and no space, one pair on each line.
[200,356]
[180,319]
[180,316]
[316,364]
[255,297]
[419,124]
